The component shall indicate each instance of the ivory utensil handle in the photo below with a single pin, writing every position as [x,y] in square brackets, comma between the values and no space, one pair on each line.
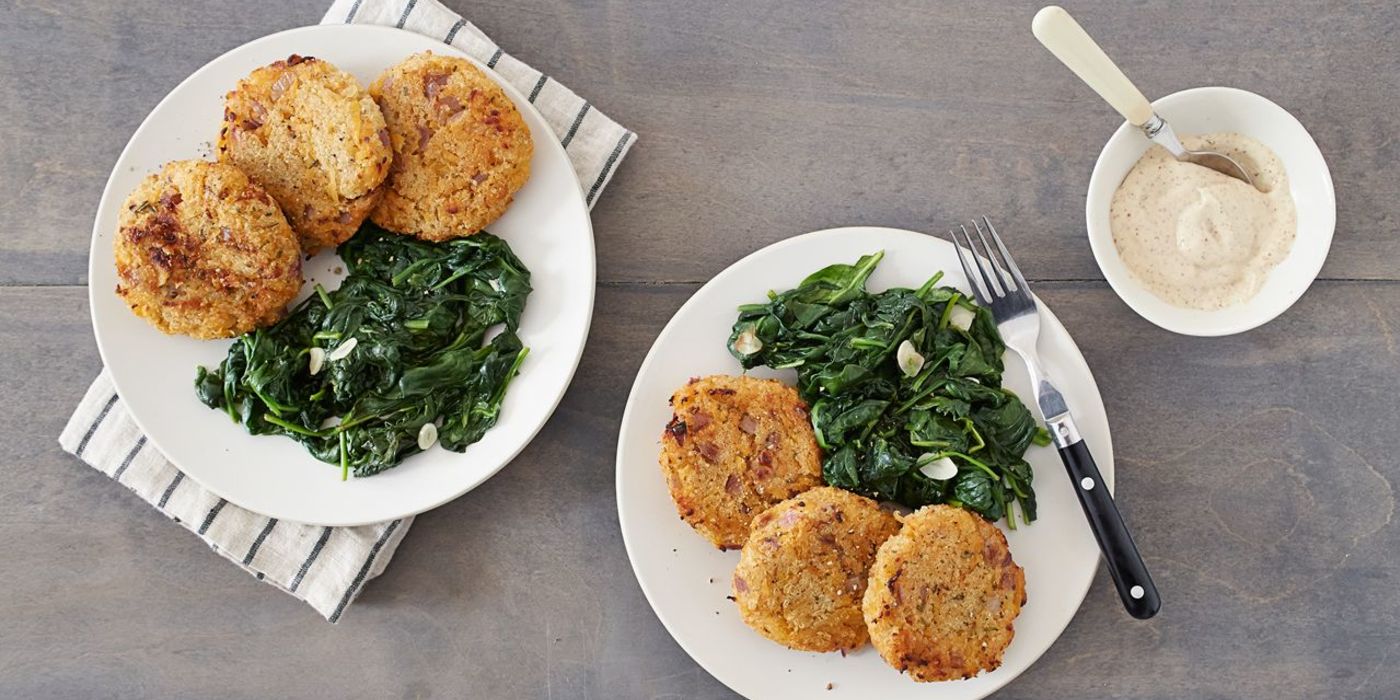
[1063,36]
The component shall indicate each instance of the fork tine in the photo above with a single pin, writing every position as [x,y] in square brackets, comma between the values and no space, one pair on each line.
[1004,288]
[990,291]
[967,270]
[1006,257]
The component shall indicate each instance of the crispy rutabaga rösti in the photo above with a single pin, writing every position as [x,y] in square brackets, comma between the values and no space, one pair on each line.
[802,573]
[312,137]
[461,148]
[201,250]
[734,447]
[943,594]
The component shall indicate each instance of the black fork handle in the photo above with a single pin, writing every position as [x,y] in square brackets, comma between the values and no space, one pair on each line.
[1125,565]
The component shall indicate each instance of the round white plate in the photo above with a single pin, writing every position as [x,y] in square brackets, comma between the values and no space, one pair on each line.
[1200,111]
[686,579]
[547,226]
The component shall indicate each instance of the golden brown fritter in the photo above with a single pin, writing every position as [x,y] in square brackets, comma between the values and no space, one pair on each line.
[943,594]
[201,250]
[461,148]
[315,140]
[803,572]
[734,447]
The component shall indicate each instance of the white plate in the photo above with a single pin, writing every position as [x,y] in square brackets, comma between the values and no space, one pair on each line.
[686,579]
[1200,111]
[547,226]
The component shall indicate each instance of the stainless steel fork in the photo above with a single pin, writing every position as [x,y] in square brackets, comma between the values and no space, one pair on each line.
[1000,287]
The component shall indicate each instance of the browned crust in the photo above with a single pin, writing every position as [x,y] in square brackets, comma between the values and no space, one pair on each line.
[735,446]
[803,571]
[203,251]
[461,148]
[312,136]
[943,595]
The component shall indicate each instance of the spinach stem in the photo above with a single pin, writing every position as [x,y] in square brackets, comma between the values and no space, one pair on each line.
[451,278]
[410,269]
[948,310]
[929,284]
[923,393]
[325,298]
[972,428]
[291,426]
[996,478]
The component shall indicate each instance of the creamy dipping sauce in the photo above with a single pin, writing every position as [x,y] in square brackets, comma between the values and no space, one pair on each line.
[1201,239]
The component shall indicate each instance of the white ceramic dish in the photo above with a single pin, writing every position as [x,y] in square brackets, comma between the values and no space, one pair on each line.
[547,226]
[686,579]
[1203,110]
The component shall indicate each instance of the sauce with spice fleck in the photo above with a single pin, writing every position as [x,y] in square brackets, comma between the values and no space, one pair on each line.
[1201,239]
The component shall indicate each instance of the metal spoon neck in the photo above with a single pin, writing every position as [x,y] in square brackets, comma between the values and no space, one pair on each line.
[1160,132]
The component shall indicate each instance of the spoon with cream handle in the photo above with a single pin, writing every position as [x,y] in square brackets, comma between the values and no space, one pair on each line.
[1063,36]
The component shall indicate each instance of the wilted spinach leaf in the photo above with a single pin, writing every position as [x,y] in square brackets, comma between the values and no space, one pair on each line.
[416,317]
[878,424]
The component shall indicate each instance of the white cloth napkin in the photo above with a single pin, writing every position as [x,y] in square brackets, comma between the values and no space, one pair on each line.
[328,566]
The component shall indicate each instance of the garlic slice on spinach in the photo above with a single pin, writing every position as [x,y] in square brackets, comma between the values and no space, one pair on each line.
[909,359]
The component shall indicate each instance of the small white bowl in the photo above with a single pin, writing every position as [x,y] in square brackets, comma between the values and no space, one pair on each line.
[1204,110]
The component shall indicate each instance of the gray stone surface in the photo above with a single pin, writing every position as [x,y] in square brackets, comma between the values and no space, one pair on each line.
[1257,470]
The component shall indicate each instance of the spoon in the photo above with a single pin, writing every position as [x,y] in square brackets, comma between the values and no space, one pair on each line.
[1063,36]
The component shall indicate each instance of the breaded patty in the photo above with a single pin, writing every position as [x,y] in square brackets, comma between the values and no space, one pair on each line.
[734,447]
[943,594]
[202,250]
[315,140]
[803,571]
[461,149]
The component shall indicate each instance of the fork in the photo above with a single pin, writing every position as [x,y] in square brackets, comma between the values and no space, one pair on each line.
[1008,297]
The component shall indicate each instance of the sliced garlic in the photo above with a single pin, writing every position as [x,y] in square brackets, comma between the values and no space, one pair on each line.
[909,359]
[941,469]
[427,436]
[314,360]
[343,350]
[961,317]
[748,343]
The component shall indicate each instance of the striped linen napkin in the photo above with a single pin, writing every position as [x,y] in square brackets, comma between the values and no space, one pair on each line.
[328,566]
